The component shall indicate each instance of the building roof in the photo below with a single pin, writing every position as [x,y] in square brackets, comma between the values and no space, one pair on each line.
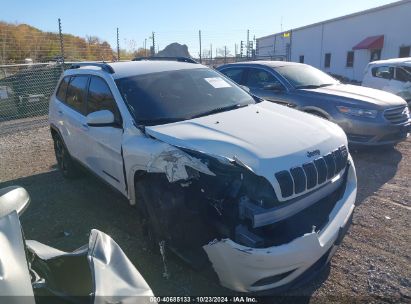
[371,10]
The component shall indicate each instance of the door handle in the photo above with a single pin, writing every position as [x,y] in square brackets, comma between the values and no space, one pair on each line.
[85,126]
[60,112]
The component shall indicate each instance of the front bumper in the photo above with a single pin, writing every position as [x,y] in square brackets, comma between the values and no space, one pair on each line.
[376,132]
[240,268]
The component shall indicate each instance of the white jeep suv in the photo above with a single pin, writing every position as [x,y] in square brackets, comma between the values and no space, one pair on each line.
[260,192]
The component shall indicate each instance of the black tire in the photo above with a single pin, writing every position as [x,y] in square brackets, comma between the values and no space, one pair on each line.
[65,163]
[147,224]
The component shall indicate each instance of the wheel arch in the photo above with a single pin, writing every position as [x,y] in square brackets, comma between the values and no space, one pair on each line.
[315,110]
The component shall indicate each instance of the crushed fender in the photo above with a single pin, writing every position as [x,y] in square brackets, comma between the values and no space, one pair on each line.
[173,163]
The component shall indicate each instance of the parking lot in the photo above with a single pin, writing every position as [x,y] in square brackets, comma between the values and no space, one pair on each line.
[373,263]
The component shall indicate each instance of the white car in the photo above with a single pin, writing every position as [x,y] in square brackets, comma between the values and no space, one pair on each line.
[262,193]
[391,75]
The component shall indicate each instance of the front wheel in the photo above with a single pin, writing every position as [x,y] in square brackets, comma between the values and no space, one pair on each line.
[64,160]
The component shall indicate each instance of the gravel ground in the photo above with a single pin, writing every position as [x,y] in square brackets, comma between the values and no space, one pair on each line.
[372,265]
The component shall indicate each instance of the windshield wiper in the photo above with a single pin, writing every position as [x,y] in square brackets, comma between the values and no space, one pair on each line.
[218,110]
[159,121]
[313,86]
[308,86]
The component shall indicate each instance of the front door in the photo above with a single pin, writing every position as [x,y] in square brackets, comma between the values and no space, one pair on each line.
[103,151]
[264,84]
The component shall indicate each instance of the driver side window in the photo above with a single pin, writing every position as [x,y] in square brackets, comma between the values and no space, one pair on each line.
[258,78]
[385,72]
[100,98]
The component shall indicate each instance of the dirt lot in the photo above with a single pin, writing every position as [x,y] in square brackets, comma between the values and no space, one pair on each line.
[372,265]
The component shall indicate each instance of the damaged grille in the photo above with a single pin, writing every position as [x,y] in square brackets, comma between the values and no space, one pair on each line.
[305,177]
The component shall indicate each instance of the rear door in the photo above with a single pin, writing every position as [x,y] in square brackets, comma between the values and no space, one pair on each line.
[103,152]
[71,113]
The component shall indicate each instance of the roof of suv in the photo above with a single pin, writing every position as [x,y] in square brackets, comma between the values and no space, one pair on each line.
[133,68]
[393,61]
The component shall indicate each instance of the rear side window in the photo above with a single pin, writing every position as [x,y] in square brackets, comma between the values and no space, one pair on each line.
[76,93]
[235,74]
[100,98]
[61,92]
[403,74]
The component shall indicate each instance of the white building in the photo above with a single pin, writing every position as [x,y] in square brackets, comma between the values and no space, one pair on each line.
[344,45]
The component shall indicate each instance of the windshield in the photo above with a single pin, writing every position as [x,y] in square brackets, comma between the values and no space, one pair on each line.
[305,76]
[165,97]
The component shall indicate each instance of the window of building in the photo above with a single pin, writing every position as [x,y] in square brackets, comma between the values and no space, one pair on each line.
[350,59]
[235,74]
[385,72]
[100,98]
[327,60]
[61,92]
[301,59]
[258,78]
[76,93]
[404,51]
[375,55]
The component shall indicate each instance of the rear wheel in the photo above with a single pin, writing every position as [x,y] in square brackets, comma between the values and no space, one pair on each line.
[64,161]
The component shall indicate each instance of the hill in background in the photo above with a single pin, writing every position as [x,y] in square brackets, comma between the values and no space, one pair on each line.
[21,41]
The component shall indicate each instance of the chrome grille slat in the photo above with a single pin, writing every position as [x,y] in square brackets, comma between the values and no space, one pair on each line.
[397,115]
[309,175]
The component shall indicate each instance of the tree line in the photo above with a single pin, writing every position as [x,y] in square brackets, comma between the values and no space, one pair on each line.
[21,41]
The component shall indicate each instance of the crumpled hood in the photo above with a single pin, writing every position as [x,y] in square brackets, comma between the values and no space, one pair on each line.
[265,137]
[359,93]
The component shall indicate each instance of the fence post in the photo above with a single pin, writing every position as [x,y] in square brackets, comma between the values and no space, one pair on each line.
[61,42]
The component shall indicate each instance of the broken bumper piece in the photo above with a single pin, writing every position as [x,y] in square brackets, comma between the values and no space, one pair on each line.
[248,269]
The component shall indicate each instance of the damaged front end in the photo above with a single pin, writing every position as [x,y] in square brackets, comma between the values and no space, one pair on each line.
[214,209]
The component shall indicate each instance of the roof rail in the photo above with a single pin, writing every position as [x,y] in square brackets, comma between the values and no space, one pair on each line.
[104,66]
[179,59]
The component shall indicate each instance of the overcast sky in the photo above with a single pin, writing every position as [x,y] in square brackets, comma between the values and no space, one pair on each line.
[222,22]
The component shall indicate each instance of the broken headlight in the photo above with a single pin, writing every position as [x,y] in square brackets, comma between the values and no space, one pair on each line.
[234,182]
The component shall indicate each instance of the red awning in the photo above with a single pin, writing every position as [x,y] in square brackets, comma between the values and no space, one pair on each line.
[372,42]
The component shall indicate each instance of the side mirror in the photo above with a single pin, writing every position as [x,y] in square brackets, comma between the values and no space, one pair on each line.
[100,118]
[13,198]
[274,87]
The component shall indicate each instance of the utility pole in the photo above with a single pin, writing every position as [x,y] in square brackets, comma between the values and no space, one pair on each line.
[235,52]
[61,42]
[211,53]
[145,47]
[248,43]
[199,38]
[118,46]
[225,54]
[153,50]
